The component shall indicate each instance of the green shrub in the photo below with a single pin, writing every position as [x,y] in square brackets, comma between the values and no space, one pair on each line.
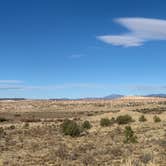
[112,120]
[124,119]
[70,127]
[26,125]
[105,122]
[156,119]
[142,118]
[129,135]
[86,125]
[3,119]
[12,127]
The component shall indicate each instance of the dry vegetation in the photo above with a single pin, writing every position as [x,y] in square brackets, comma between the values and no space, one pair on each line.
[31,135]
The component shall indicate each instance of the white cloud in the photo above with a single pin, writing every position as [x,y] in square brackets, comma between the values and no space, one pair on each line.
[54,87]
[11,81]
[150,87]
[140,30]
[122,40]
[10,87]
[87,86]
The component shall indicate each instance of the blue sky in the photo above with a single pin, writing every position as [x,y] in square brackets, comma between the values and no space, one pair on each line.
[81,48]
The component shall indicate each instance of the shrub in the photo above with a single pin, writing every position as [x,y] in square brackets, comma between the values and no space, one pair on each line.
[129,135]
[156,119]
[112,120]
[17,115]
[26,125]
[124,119]
[70,127]
[31,119]
[86,125]
[2,132]
[3,119]
[12,127]
[142,118]
[105,122]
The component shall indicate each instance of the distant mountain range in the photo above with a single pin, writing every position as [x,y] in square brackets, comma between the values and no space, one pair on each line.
[12,99]
[113,96]
[156,95]
[109,97]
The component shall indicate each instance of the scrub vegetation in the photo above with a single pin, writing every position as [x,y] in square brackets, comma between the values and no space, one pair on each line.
[117,132]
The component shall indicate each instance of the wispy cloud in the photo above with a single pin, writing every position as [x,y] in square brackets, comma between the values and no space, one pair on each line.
[11,81]
[88,86]
[10,87]
[54,87]
[141,30]
[150,88]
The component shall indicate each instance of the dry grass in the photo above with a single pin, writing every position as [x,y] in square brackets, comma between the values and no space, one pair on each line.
[32,136]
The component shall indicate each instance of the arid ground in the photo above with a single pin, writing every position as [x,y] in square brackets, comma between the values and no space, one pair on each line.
[30,133]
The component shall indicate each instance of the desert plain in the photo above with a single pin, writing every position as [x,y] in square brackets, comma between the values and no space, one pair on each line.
[30,133]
